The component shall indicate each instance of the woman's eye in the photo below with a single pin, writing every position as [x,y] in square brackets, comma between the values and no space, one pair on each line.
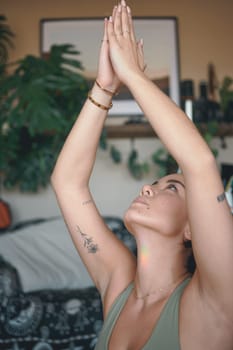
[172,187]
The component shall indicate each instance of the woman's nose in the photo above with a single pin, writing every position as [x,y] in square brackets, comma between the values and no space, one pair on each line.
[147,191]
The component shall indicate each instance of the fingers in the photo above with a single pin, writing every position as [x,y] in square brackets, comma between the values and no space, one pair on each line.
[117,23]
[110,30]
[125,19]
[105,36]
[122,21]
[127,23]
[114,11]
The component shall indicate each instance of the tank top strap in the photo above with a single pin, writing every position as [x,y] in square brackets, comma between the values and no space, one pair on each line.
[165,335]
[112,317]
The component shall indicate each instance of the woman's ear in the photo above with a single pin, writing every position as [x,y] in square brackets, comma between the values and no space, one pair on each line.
[187,238]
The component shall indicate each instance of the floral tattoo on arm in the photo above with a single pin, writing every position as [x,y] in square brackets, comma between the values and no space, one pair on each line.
[88,242]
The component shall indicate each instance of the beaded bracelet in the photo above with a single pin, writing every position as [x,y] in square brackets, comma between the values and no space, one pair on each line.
[108,92]
[105,108]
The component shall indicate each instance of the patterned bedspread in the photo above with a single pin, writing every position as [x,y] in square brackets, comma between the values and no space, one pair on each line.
[47,320]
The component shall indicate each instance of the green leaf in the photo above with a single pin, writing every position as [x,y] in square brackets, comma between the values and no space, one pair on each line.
[136,169]
[39,101]
[115,154]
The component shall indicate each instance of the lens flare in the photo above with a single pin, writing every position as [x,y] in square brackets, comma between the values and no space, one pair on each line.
[144,254]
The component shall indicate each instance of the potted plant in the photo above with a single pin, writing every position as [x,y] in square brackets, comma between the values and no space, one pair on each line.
[39,102]
[6,42]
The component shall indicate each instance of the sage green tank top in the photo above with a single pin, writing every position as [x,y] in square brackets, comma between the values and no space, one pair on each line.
[165,335]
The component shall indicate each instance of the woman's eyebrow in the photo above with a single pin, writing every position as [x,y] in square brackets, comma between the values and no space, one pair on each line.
[155,183]
[176,181]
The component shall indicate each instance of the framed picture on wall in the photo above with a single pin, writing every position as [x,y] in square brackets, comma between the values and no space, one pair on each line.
[160,36]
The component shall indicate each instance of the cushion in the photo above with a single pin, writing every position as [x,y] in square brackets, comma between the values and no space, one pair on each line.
[45,257]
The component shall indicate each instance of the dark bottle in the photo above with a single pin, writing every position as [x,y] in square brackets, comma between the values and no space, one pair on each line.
[200,114]
[228,115]
[186,92]
[206,110]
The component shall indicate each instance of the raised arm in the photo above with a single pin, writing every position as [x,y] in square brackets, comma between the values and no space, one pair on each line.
[210,219]
[105,257]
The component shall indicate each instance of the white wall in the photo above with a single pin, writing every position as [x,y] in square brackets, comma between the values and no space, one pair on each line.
[112,186]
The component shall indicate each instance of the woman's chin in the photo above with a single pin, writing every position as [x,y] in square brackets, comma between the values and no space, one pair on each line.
[133,220]
[129,220]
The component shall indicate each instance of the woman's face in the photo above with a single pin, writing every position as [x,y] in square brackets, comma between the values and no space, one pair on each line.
[160,207]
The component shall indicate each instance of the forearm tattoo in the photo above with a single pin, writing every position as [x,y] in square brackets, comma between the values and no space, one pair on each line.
[88,242]
[221,197]
[87,202]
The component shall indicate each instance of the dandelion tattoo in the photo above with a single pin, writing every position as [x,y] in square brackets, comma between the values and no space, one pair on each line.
[88,242]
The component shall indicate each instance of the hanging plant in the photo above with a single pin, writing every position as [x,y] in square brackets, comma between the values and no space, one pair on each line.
[115,154]
[165,162]
[136,168]
[226,98]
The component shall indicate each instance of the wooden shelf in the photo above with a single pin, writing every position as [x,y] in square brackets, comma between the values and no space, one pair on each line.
[140,130]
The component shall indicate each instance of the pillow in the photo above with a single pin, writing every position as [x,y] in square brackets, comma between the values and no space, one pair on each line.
[45,257]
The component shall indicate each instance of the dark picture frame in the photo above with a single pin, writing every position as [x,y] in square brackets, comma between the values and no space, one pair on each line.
[161,48]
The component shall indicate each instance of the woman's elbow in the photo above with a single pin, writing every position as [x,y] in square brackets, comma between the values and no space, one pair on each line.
[54,180]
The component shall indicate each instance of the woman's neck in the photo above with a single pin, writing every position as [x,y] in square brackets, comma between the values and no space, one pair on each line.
[160,265]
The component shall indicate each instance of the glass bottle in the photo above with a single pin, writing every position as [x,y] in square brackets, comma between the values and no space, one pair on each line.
[201,105]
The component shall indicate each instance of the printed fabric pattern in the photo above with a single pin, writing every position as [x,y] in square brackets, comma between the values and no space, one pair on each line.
[47,320]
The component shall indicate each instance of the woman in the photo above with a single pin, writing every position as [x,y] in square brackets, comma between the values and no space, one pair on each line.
[151,303]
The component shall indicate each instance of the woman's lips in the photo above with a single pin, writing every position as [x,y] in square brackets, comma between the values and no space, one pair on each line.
[140,200]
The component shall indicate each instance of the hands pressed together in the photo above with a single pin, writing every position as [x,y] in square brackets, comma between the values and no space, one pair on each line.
[120,53]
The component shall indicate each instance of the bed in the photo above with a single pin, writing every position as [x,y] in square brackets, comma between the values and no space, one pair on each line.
[47,299]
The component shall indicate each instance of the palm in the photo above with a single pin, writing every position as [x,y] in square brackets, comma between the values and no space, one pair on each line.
[106,74]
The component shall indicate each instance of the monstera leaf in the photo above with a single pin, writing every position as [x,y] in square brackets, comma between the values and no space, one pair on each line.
[39,102]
